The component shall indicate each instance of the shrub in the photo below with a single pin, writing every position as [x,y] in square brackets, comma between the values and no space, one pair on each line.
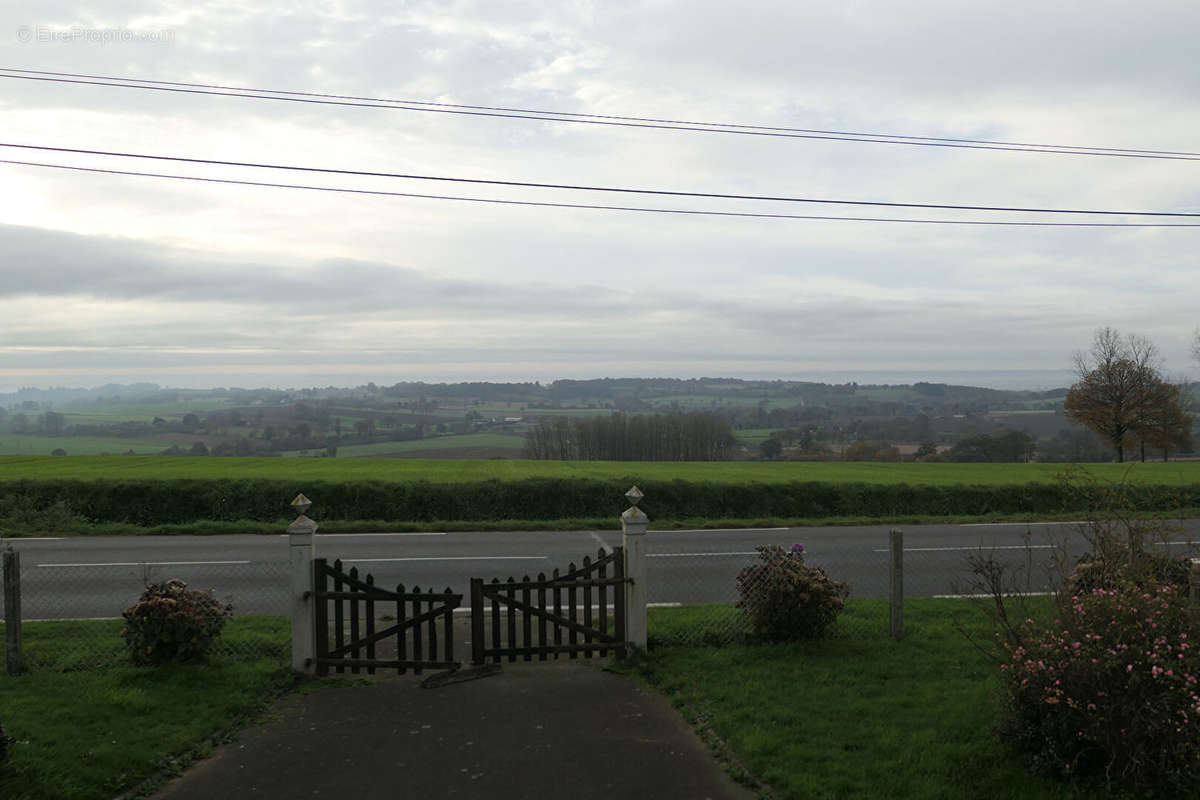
[171,622]
[1111,689]
[1150,569]
[785,599]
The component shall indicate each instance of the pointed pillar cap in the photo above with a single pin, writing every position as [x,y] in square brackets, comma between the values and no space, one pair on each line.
[301,504]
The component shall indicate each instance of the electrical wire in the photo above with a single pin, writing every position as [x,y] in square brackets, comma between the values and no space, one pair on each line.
[591,119]
[540,204]
[591,188]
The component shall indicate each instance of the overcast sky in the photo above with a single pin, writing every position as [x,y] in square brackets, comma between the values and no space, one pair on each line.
[116,278]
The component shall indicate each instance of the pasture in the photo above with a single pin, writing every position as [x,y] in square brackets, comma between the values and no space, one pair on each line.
[1174,473]
[446,444]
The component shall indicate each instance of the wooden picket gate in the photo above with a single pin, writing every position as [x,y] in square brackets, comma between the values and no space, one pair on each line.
[416,612]
[569,594]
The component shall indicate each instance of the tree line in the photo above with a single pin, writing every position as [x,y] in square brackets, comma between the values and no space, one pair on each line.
[677,436]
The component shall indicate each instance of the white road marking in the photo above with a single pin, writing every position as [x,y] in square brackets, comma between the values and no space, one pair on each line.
[981,547]
[972,596]
[701,555]
[1010,524]
[610,606]
[446,558]
[15,539]
[71,619]
[148,564]
[721,530]
[599,540]
[376,535]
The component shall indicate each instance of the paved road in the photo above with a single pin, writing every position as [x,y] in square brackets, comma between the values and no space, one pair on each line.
[80,577]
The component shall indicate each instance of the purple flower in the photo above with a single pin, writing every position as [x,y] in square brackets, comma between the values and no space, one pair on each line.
[797,548]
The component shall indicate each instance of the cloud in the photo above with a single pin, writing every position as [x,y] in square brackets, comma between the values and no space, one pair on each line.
[138,273]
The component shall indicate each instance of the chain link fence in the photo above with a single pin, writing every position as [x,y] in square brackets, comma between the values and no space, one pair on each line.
[707,574]
[956,571]
[72,612]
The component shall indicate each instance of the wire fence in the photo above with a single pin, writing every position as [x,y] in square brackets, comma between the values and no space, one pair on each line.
[951,572]
[71,613]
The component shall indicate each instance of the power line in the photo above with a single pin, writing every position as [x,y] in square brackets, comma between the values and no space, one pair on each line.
[591,188]
[589,119]
[540,204]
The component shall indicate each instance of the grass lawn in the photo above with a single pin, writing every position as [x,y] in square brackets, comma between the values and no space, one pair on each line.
[461,470]
[856,715]
[98,731]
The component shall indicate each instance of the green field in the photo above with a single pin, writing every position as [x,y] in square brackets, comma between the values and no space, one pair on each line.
[21,444]
[754,436]
[1175,473]
[149,410]
[447,443]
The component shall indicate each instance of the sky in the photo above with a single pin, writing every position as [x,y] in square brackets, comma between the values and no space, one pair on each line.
[111,278]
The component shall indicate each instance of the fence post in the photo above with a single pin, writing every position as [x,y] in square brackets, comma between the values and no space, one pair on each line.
[896,549]
[12,611]
[1194,590]
[300,555]
[633,542]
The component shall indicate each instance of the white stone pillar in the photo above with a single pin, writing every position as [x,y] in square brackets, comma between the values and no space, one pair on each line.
[633,542]
[300,556]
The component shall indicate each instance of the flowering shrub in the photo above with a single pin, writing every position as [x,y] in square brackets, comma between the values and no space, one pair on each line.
[784,598]
[1102,571]
[1110,689]
[171,622]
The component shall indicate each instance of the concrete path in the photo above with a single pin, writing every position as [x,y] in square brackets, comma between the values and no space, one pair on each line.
[554,730]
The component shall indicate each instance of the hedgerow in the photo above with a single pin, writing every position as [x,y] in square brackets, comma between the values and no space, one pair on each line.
[156,502]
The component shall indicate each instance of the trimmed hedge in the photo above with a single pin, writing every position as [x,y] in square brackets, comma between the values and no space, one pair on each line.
[157,502]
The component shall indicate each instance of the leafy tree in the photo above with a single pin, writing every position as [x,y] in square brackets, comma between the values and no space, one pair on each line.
[926,449]
[770,448]
[1007,446]
[1119,390]
[52,423]
[1164,425]
[858,451]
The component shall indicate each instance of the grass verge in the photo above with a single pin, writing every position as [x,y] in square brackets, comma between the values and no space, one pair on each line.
[855,715]
[99,731]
